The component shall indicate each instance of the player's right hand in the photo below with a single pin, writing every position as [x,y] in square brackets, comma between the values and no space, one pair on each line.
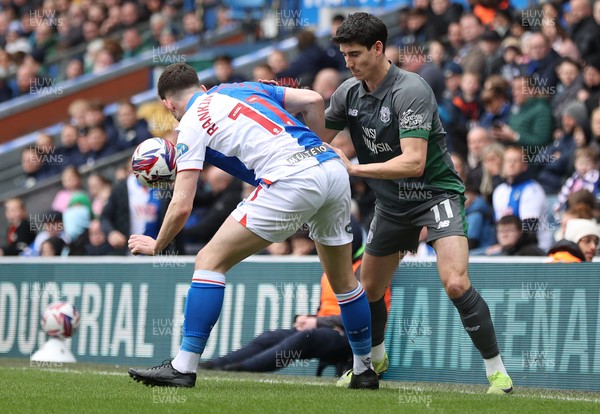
[140,244]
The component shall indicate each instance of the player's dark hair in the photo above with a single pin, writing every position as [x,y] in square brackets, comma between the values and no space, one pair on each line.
[363,29]
[177,78]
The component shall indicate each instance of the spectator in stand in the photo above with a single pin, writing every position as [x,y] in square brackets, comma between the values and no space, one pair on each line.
[71,183]
[19,234]
[191,26]
[95,117]
[497,108]
[512,240]
[224,72]
[522,196]
[570,83]
[580,204]
[91,31]
[52,246]
[74,69]
[557,158]
[68,149]
[455,39]
[477,140]
[512,57]
[489,43]
[531,122]
[595,129]
[51,226]
[466,110]
[130,210]
[77,113]
[502,23]
[415,60]
[132,43]
[583,29]
[470,56]
[310,60]
[541,61]
[104,60]
[302,245]
[96,244]
[278,61]
[99,188]
[167,37]
[590,94]
[419,31]
[325,84]
[212,204]
[558,39]
[333,50]
[444,12]
[585,177]
[99,145]
[579,245]
[130,15]
[76,219]
[479,214]
[262,72]
[131,131]
[158,23]
[31,164]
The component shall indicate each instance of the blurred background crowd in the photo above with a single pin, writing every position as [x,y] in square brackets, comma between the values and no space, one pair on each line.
[517,85]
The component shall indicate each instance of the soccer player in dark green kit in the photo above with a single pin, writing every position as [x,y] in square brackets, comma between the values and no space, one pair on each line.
[393,120]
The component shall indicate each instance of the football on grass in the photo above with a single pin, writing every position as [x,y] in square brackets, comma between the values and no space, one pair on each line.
[154,162]
[60,320]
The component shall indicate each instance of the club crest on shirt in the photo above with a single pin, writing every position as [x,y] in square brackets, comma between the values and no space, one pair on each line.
[385,114]
[181,149]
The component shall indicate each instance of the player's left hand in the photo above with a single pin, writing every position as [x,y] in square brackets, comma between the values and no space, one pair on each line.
[341,154]
[271,82]
[140,244]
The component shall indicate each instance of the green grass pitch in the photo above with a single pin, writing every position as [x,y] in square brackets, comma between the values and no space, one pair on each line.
[87,388]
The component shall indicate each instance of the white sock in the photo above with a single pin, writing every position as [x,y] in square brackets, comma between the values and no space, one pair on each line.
[378,352]
[494,364]
[361,363]
[185,362]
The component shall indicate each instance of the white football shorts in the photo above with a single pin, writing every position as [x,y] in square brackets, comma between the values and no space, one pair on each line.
[318,196]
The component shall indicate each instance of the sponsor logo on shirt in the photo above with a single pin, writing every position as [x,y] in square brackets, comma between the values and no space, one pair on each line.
[311,152]
[353,112]
[181,149]
[370,137]
[411,120]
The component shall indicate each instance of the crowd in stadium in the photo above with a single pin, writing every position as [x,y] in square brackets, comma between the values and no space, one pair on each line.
[518,94]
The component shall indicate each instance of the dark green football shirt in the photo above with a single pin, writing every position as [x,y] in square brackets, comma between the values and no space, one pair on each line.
[403,106]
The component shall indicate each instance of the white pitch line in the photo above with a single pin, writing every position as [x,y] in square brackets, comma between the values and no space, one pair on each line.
[317,383]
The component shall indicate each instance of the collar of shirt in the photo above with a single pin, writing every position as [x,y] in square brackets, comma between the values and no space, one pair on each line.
[193,98]
[384,86]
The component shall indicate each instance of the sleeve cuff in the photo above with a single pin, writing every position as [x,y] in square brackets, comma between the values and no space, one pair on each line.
[337,125]
[414,133]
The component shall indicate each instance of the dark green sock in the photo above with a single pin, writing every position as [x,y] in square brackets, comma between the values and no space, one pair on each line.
[379,317]
[475,316]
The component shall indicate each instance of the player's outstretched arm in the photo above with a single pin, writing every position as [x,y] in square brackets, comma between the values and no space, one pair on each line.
[177,214]
[311,105]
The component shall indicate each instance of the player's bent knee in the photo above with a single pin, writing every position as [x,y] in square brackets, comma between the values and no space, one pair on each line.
[207,260]
[456,288]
